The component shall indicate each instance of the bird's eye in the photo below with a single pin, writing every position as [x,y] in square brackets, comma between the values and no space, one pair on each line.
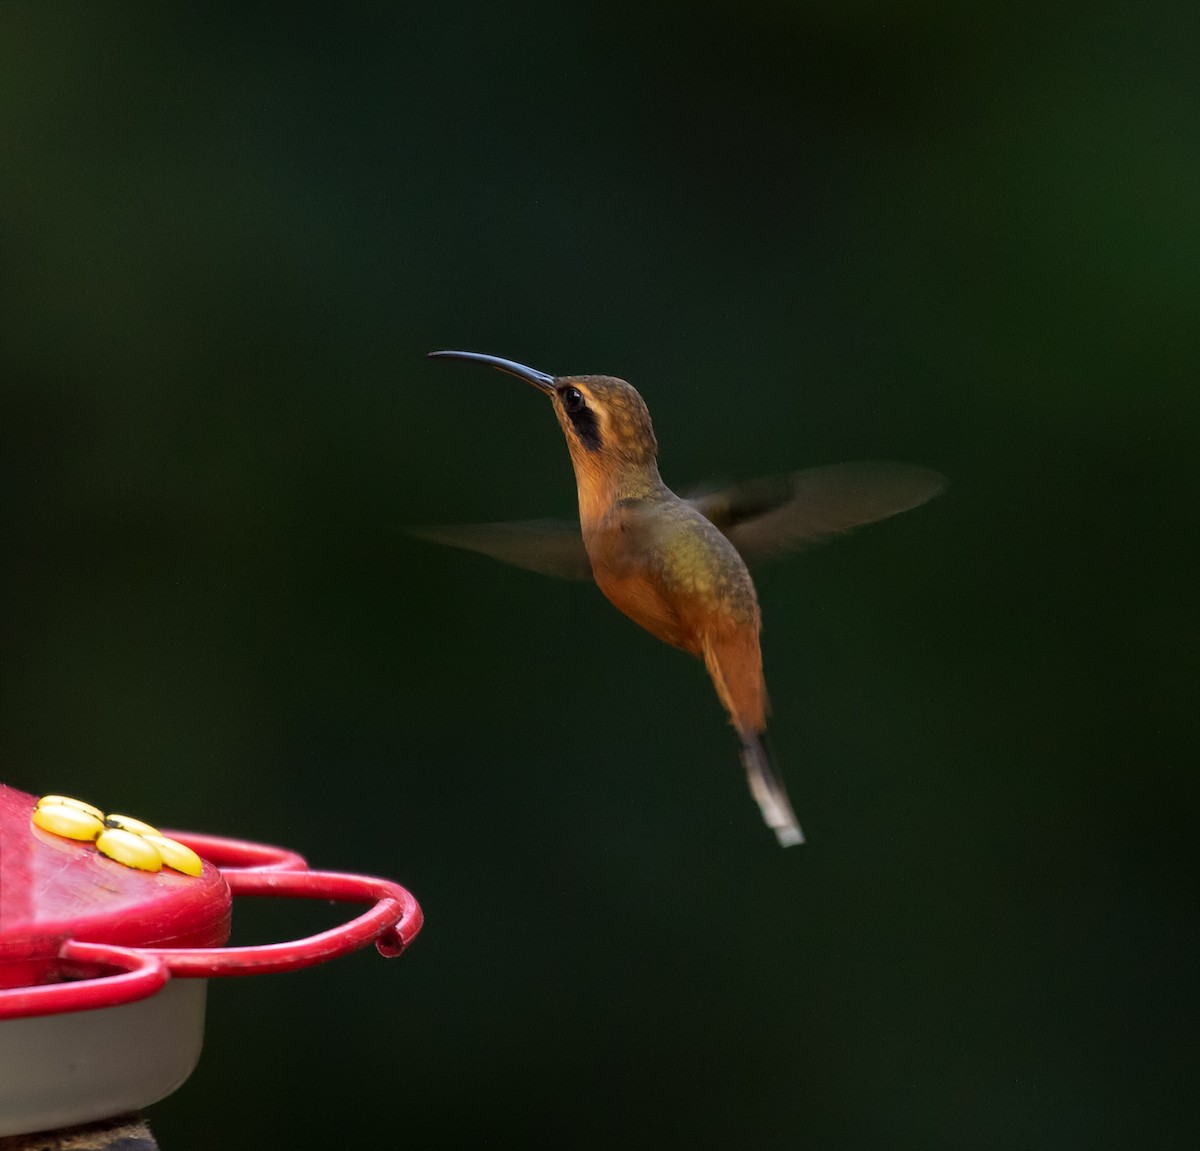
[572,399]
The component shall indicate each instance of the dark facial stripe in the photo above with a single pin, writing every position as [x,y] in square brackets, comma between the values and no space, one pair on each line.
[586,427]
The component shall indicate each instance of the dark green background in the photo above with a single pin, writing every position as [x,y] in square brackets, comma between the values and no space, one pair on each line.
[961,235]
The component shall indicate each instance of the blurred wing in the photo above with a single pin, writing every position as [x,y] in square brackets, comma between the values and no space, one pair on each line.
[550,547]
[769,517]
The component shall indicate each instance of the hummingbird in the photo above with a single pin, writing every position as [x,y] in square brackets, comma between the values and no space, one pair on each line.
[677,566]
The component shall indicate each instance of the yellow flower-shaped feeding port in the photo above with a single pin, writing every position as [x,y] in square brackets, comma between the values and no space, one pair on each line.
[120,837]
[71,818]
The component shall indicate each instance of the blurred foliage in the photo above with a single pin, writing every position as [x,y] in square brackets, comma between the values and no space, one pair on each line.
[964,236]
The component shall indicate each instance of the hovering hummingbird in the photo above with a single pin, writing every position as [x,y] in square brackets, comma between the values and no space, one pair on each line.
[677,566]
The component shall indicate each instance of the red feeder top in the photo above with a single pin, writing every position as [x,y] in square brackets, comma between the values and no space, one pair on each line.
[90,897]
[53,889]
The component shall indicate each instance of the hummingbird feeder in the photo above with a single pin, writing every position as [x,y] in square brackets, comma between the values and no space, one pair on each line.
[109,932]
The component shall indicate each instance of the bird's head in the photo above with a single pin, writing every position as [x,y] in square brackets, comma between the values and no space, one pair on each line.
[605,421]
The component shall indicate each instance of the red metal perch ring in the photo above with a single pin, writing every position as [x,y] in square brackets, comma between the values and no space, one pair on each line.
[392,922]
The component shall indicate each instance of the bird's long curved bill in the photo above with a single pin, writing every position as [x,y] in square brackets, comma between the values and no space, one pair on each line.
[539,380]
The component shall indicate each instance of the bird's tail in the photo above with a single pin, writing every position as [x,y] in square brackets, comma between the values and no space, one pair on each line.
[767,788]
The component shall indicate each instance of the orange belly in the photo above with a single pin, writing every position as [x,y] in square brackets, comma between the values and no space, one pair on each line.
[644,603]
[729,647]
